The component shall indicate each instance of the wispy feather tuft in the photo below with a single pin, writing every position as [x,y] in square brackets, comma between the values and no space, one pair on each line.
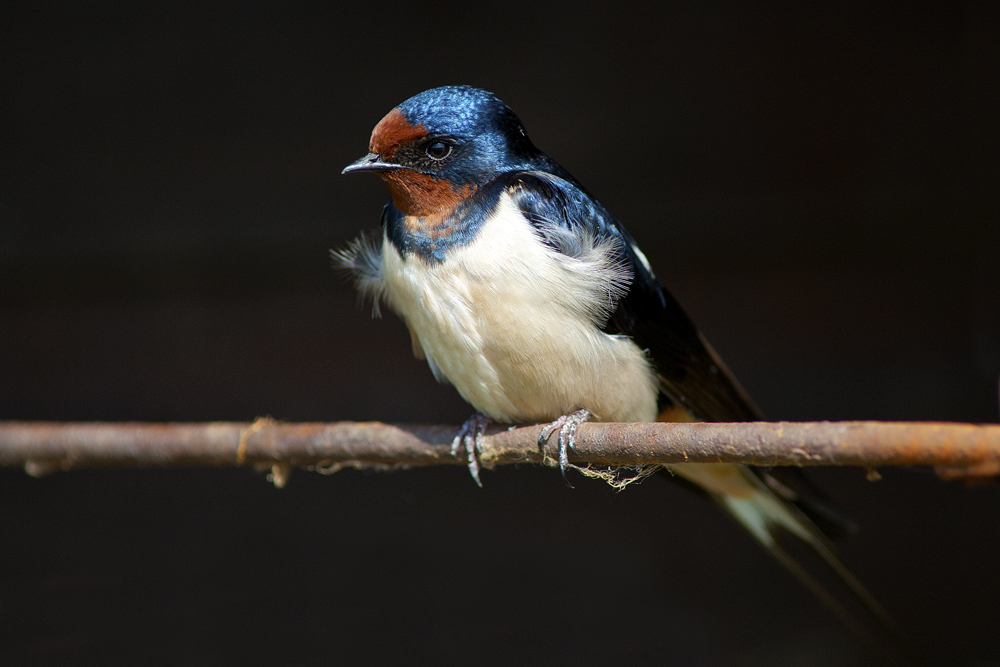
[363,259]
[600,260]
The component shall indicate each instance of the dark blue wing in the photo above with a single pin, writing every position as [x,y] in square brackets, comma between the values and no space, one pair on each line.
[691,375]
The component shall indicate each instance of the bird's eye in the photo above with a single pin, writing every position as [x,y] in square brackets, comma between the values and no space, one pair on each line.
[438,150]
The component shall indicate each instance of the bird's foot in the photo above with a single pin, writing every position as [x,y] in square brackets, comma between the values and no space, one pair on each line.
[567,425]
[470,436]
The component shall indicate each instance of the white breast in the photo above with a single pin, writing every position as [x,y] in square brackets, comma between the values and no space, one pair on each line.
[513,325]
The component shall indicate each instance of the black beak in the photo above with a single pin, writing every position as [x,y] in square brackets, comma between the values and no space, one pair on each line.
[371,162]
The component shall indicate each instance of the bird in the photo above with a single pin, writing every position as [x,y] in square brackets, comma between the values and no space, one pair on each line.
[521,290]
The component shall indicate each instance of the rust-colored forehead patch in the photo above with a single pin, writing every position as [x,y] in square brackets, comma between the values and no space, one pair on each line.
[393,131]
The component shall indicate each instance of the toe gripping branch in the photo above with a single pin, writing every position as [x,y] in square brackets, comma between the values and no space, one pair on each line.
[470,436]
[567,425]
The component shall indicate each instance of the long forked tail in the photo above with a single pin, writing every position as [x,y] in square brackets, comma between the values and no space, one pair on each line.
[795,541]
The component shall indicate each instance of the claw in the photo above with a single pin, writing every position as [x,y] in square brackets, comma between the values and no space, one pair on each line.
[470,436]
[567,425]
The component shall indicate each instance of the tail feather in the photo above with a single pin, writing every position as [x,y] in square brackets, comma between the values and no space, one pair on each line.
[788,534]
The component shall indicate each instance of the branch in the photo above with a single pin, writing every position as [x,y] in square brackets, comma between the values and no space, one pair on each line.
[967,450]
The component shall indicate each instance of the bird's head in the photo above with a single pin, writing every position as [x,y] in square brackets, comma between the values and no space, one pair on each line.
[440,146]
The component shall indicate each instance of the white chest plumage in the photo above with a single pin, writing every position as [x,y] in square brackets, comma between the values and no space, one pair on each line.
[512,324]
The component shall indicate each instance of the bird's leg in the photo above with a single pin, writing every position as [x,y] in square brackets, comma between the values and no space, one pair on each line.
[567,425]
[471,437]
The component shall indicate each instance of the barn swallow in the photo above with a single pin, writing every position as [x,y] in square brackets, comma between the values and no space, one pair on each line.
[521,290]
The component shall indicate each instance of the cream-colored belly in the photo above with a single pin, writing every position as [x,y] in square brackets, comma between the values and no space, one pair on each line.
[506,320]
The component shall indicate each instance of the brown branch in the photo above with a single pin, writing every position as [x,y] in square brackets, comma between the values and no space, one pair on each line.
[49,446]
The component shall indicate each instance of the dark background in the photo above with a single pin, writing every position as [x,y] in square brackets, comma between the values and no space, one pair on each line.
[818,186]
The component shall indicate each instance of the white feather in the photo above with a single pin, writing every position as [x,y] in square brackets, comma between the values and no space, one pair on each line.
[514,324]
[363,258]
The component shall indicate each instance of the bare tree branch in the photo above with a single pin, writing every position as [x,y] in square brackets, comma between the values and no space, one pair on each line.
[43,447]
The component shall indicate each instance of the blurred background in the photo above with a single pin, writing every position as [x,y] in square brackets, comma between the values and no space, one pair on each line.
[818,186]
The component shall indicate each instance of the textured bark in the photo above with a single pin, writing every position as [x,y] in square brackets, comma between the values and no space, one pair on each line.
[49,446]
